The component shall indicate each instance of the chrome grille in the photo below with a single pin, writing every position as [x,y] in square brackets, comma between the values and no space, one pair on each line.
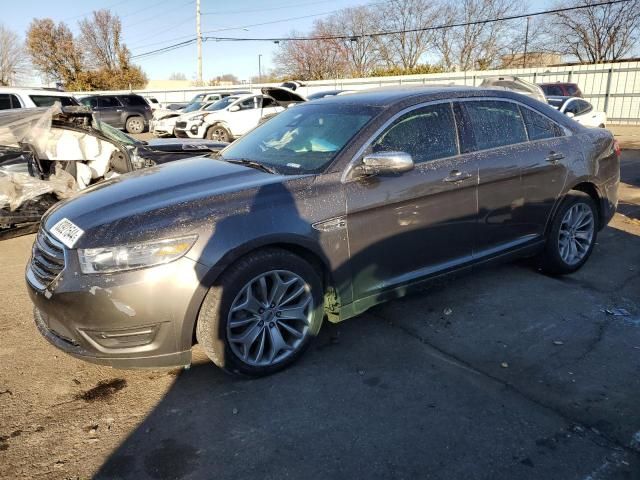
[181,124]
[47,260]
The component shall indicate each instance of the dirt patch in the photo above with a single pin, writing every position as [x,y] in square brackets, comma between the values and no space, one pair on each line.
[103,390]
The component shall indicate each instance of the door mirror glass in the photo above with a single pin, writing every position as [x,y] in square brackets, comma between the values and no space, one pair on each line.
[235,108]
[385,163]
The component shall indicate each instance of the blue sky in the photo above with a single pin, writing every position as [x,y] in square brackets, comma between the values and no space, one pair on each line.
[151,24]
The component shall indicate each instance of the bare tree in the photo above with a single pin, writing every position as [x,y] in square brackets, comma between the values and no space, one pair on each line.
[477,45]
[13,58]
[53,51]
[100,40]
[361,51]
[310,59]
[177,76]
[406,49]
[599,33]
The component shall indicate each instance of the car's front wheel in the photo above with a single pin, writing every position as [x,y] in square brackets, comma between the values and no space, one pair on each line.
[262,313]
[218,133]
[572,235]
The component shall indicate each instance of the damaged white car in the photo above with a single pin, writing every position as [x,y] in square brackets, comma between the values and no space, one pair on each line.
[51,154]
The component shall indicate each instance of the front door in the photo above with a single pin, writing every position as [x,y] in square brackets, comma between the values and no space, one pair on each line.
[402,228]
[243,120]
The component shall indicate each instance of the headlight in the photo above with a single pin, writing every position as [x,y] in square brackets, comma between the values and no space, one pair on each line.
[199,118]
[136,255]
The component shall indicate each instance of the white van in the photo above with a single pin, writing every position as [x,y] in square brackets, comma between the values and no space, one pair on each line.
[13,97]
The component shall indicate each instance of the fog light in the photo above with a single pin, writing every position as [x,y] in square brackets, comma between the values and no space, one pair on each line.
[134,337]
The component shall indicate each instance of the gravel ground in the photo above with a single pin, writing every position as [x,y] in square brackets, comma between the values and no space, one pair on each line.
[502,374]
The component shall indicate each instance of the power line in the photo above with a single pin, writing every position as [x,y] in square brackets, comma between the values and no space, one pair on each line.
[260,10]
[414,30]
[373,34]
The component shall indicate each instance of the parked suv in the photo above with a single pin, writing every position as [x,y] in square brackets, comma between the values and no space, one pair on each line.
[325,210]
[31,98]
[561,89]
[130,112]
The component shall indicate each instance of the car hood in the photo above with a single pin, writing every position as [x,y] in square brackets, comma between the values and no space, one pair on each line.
[184,144]
[167,200]
[284,96]
[515,84]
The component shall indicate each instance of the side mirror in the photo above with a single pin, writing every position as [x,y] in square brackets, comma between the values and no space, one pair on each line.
[385,163]
[235,108]
[570,114]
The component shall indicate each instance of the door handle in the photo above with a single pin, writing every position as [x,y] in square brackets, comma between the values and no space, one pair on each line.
[119,110]
[554,157]
[456,176]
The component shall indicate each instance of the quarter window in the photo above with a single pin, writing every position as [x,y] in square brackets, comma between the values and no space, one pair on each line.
[539,126]
[426,134]
[494,124]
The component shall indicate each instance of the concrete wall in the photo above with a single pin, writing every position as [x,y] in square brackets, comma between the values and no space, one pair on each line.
[611,87]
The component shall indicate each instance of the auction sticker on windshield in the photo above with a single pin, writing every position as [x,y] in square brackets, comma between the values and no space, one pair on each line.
[67,232]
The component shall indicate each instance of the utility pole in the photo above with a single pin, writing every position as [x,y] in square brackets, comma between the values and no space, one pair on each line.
[199,37]
[259,68]
[526,44]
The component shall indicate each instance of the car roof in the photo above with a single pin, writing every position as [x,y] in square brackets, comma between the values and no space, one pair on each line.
[389,96]
[557,83]
[35,91]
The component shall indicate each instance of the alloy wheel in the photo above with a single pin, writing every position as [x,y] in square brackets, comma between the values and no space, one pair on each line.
[576,233]
[270,318]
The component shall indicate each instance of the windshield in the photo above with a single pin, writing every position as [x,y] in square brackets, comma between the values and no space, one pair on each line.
[197,98]
[220,104]
[116,135]
[304,139]
[192,107]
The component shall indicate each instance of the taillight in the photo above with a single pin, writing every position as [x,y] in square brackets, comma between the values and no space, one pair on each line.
[616,147]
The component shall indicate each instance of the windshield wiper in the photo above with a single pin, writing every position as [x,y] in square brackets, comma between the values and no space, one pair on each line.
[250,163]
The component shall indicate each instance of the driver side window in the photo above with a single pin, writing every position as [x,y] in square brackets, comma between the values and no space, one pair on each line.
[249,103]
[426,133]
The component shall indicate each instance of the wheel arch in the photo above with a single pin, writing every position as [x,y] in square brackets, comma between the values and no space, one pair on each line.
[299,246]
[591,189]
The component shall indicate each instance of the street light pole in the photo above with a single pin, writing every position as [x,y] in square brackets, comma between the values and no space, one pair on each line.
[259,68]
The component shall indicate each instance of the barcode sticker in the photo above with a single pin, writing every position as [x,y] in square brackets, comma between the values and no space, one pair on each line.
[67,232]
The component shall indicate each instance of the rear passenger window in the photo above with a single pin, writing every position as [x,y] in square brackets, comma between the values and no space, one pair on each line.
[8,101]
[426,133]
[494,123]
[539,126]
[48,100]
[108,102]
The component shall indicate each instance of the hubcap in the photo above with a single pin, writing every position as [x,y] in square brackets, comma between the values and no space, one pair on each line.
[220,135]
[270,318]
[576,233]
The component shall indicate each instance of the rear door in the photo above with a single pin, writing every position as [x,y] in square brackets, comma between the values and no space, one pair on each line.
[110,111]
[402,228]
[519,180]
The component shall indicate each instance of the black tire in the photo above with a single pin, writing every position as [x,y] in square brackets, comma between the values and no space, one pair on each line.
[218,133]
[134,124]
[211,329]
[601,125]
[550,260]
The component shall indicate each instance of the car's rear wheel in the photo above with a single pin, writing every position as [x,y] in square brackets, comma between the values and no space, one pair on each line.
[218,133]
[135,125]
[262,313]
[572,235]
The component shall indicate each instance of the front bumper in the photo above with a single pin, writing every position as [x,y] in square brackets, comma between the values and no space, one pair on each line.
[161,129]
[191,130]
[137,319]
